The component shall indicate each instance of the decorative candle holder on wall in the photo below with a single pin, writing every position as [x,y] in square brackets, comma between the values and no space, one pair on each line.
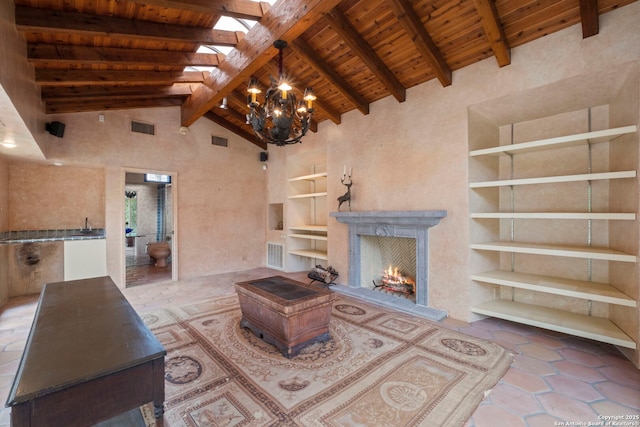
[346,197]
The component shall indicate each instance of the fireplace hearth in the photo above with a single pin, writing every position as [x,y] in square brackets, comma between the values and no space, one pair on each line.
[370,233]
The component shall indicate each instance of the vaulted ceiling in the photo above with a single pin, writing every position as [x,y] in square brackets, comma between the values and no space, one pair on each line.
[98,55]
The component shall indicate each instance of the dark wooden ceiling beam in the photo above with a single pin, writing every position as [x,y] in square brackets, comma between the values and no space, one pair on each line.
[287,20]
[91,93]
[590,18]
[307,53]
[73,23]
[117,104]
[244,133]
[242,9]
[79,55]
[53,77]
[341,25]
[494,31]
[240,100]
[421,38]
[232,112]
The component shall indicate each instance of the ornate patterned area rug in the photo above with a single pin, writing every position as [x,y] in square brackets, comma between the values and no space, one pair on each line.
[381,368]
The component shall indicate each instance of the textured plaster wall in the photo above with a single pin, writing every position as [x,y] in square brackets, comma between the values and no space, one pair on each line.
[219,193]
[414,155]
[47,197]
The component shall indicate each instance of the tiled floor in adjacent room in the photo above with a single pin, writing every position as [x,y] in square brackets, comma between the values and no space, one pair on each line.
[554,379]
[141,270]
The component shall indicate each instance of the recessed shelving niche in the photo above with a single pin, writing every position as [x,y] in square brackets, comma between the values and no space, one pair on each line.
[306,210]
[553,222]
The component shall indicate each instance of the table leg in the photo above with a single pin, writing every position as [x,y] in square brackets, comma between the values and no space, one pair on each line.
[21,414]
[158,387]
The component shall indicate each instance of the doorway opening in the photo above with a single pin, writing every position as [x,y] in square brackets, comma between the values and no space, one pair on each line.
[150,248]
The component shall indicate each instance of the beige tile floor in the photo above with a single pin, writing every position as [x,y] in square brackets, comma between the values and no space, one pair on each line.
[555,379]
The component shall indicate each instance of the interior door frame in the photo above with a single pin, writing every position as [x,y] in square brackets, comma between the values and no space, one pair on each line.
[174,213]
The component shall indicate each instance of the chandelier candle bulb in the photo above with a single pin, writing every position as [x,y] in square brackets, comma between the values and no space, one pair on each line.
[284,87]
[309,96]
[254,90]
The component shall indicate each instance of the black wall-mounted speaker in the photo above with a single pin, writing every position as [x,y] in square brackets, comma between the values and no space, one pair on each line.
[264,156]
[55,129]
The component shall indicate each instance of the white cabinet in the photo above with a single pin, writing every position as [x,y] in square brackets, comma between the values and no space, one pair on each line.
[84,259]
[527,227]
[306,210]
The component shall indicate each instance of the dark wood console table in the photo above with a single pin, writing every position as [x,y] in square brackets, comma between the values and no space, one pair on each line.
[89,357]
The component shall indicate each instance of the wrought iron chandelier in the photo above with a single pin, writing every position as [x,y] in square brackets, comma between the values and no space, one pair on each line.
[280,120]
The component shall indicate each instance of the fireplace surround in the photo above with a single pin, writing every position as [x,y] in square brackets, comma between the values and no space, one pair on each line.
[406,224]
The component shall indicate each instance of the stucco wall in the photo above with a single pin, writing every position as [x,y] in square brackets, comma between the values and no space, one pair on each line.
[48,197]
[404,156]
[219,193]
[414,155]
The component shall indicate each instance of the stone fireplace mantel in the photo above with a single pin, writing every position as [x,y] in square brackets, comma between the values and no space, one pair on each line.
[408,224]
[409,218]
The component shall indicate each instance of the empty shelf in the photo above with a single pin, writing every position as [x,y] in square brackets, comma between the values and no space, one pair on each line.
[310,253]
[557,142]
[318,228]
[581,325]
[555,179]
[308,195]
[595,291]
[555,215]
[587,252]
[309,236]
[311,177]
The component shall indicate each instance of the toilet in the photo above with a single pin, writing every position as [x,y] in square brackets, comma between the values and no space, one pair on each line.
[159,251]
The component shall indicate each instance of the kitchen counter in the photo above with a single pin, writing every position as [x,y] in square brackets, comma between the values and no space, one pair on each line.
[32,236]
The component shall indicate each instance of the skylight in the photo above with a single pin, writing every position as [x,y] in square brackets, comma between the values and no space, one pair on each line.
[228,24]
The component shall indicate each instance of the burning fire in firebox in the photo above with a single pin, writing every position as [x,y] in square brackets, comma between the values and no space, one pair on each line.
[394,281]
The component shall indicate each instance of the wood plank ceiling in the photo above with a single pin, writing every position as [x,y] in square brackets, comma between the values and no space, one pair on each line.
[98,55]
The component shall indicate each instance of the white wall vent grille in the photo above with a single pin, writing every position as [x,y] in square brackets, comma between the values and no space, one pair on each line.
[145,128]
[275,255]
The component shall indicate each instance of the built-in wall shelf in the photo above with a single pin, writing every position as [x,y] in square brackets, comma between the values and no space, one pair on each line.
[580,325]
[598,136]
[307,206]
[310,253]
[593,291]
[565,193]
[306,227]
[310,232]
[308,195]
[588,252]
[310,177]
[309,236]
[556,215]
[555,179]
